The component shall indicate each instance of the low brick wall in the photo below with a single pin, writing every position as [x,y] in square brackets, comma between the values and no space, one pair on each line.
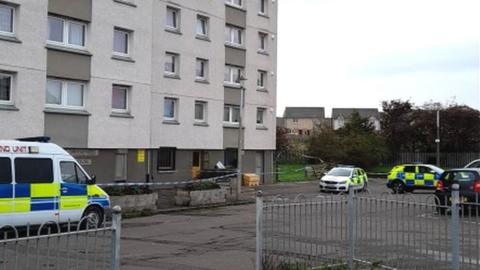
[200,197]
[136,202]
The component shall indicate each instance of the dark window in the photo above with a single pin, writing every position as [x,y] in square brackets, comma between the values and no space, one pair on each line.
[409,169]
[5,171]
[166,159]
[33,170]
[422,169]
[231,157]
[475,165]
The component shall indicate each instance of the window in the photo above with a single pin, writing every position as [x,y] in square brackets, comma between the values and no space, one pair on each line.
[201,69]
[65,94]
[262,79]
[121,41]
[260,115]
[233,35]
[7,16]
[166,159]
[171,64]
[262,40]
[232,75]
[66,32]
[200,111]
[71,173]
[120,98]
[173,18]
[5,88]
[5,171]
[120,166]
[263,7]
[231,114]
[237,3]
[409,169]
[202,26]
[170,109]
[231,157]
[33,170]
[423,169]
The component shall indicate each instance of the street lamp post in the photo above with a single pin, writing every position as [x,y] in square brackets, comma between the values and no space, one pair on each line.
[240,137]
[437,140]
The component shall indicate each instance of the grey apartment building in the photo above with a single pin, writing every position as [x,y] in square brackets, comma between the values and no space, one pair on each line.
[142,88]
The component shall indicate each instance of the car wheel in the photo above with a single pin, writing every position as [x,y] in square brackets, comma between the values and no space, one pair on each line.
[398,187]
[92,218]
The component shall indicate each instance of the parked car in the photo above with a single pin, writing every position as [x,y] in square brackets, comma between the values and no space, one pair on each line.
[473,164]
[344,177]
[469,181]
[408,177]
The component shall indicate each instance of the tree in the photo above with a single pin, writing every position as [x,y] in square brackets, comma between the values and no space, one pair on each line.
[356,144]
[282,140]
[395,122]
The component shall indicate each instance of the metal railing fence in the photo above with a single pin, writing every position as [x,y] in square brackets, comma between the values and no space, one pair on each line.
[363,231]
[79,245]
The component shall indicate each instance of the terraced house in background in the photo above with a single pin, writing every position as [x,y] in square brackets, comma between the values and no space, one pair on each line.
[141,87]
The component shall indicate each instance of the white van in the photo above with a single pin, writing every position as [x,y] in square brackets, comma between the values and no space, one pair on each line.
[41,182]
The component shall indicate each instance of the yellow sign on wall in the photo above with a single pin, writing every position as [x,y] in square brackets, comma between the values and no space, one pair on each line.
[140,156]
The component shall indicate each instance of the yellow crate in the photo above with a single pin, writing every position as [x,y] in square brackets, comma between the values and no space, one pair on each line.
[251,180]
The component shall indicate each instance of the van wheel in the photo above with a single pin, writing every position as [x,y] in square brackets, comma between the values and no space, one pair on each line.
[398,187]
[92,218]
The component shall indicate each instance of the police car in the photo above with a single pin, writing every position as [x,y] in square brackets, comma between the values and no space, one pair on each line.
[41,182]
[408,177]
[344,177]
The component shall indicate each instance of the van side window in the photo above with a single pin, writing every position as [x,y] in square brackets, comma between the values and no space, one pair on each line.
[5,171]
[33,170]
[71,173]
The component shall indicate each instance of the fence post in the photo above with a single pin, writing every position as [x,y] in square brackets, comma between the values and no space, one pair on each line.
[351,226]
[259,232]
[455,209]
[116,233]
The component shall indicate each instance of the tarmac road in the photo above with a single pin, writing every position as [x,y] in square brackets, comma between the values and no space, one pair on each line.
[224,238]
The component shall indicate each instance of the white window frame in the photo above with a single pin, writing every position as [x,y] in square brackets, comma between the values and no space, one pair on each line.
[5,33]
[127,99]
[262,111]
[66,24]
[129,36]
[63,104]
[177,19]
[176,65]
[230,114]
[232,3]
[264,81]
[263,4]
[231,75]
[10,101]
[262,36]
[204,107]
[207,26]
[231,35]
[175,109]
[205,69]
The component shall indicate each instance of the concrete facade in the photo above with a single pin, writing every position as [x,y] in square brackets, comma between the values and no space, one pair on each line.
[108,143]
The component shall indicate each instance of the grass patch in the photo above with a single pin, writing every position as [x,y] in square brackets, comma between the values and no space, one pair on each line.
[292,173]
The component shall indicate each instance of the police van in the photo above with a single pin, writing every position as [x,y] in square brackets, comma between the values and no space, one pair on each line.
[41,182]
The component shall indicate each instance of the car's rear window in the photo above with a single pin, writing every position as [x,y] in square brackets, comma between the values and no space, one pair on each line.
[460,176]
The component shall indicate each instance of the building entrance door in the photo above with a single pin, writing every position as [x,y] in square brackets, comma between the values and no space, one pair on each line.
[260,165]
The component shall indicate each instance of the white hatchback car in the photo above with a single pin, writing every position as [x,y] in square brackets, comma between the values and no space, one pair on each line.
[342,178]
[473,164]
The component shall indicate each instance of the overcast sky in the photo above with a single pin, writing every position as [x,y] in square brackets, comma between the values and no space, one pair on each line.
[356,53]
